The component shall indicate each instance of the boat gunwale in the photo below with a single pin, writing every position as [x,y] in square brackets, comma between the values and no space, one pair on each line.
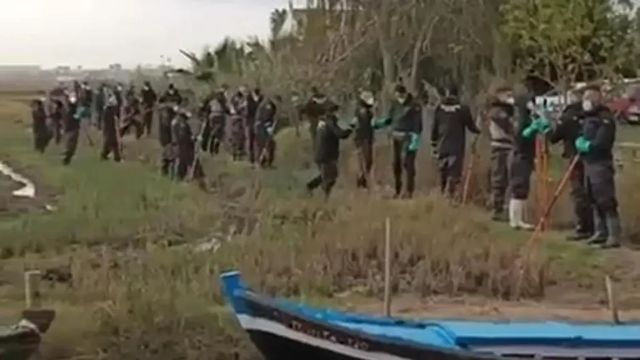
[248,295]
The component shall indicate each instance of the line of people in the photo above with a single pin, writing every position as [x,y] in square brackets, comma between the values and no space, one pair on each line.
[249,120]
[586,127]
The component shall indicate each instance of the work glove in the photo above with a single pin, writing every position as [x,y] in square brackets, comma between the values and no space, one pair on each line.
[583,145]
[270,130]
[381,123]
[530,131]
[543,124]
[414,142]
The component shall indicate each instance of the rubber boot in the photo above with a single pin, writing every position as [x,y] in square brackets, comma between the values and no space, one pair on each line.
[615,232]
[516,215]
[602,233]
[579,235]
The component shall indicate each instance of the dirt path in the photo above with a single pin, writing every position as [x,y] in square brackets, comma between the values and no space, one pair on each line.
[484,309]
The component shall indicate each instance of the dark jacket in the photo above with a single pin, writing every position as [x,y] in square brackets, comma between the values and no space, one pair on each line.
[568,129]
[39,116]
[406,117]
[149,96]
[501,125]
[266,112]
[317,107]
[252,107]
[182,137]
[109,121]
[100,99]
[171,97]
[328,138]
[599,128]
[450,124]
[525,147]
[364,126]
[57,113]
[265,118]
[164,129]
[72,122]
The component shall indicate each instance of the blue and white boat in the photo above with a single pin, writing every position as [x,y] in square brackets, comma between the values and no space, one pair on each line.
[282,329]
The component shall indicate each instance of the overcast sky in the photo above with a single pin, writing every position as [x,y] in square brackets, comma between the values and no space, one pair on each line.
[95,33]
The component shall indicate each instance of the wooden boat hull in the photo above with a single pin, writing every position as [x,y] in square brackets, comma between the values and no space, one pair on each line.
[282,329]
[21,341]
[281,335]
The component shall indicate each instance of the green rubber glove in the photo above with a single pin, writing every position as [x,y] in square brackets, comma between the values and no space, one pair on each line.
[530,131]
[414,142]
[381,123]
[81,112]
[544,125]
[583,145]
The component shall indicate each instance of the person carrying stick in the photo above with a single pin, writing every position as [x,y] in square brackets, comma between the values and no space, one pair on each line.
[567,130]
[451,122]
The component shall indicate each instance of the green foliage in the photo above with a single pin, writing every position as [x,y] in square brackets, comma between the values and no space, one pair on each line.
[564,41]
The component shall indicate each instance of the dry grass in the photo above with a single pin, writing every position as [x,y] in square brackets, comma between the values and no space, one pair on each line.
[125,276]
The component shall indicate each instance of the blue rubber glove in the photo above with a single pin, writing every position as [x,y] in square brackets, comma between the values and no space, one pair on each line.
[414,142]
[583,145]
[381,123]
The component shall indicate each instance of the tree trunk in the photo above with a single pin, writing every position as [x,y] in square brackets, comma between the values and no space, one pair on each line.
[388,67]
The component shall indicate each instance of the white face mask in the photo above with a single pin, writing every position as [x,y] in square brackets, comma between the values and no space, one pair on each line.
[510,100]
[587,105]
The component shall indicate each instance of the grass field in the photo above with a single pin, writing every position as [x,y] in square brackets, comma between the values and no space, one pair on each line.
[125,272]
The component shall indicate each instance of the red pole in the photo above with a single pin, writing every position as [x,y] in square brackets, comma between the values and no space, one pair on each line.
[551,204]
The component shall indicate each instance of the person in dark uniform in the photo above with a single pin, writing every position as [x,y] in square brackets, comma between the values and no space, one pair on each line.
[317,107]
[187,166]
[132,115]
[41,132]
[72,118]
[87,99]
[167,115]
[405,119]
[596,149]
[523,156]
[568,130]
[265,127]
[327,151]
[110,142]
[149,99]
[452,120]
[501,114]
[215,127]
[172,95]
[100,103]
[119,93]
[363,137]
[239,111]
[254,99]
[57,116]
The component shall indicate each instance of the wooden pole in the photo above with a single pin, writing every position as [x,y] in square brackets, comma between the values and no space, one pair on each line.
[387,268]
[611,299]
[32,289]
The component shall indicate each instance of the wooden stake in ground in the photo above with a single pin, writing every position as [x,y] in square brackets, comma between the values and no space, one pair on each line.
[387,268]
[32,289]
[611,300]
